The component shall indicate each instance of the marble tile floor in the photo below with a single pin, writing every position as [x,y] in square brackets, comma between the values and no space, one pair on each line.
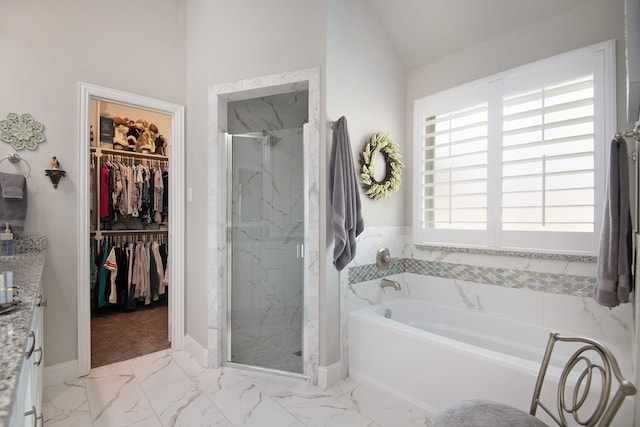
[169,388]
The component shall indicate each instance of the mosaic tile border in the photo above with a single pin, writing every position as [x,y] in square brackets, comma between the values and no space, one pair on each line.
[364,273]
[564,284]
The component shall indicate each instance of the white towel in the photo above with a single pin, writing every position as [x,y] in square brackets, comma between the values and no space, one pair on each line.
[346,219]
[614,277]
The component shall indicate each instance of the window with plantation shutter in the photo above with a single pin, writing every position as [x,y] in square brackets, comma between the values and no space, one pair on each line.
[455,169]
[517,160]
[548,164]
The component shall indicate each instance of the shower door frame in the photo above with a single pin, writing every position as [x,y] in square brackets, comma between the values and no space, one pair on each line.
[218,273]
[299,254]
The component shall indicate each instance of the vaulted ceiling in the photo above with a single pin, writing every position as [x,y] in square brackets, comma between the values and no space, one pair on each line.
[423,31]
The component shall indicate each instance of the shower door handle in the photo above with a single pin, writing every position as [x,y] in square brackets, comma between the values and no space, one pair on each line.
[300,250]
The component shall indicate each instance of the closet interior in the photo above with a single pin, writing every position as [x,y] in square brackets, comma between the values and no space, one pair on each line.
[129,216]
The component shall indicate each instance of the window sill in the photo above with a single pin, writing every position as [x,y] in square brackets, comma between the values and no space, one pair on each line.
[508,253]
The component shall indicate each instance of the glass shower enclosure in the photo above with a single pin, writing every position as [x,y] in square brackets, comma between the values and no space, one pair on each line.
[266,235]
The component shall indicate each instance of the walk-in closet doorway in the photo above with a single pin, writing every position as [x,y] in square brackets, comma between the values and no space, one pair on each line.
[161,233]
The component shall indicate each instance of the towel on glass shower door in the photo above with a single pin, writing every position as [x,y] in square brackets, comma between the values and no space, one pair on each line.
[346,218]
[13,203]
[614,277]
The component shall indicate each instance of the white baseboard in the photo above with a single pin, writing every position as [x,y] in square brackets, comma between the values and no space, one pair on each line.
[329,375]
[60,373]
[197,351]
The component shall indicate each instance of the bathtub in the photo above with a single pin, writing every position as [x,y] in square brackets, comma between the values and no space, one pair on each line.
[432,355]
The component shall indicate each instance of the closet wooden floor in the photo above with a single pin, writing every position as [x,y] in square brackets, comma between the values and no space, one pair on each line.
[117,335]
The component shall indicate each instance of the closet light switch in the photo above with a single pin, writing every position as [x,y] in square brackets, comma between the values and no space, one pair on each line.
[189,194]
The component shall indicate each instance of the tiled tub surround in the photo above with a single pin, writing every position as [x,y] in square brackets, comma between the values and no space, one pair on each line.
[27,265]
[547,290]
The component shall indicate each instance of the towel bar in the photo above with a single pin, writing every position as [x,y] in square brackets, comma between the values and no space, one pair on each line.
[15,158]
[635,134]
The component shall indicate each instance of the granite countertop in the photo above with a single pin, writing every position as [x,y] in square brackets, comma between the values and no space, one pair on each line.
[27,265]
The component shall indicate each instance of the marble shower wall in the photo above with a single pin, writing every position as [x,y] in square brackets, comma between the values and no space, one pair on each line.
[552,291]
[274,112]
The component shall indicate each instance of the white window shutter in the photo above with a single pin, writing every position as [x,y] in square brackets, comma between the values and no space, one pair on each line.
[548,161]
[517,160]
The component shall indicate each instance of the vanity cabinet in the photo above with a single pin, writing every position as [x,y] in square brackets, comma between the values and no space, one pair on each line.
[27,405]
[21,336]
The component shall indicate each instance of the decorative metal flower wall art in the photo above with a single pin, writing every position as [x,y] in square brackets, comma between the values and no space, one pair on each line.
[21,131]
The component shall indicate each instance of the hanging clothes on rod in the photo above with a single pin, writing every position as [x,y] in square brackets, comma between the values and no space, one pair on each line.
[132,192]
[128,268]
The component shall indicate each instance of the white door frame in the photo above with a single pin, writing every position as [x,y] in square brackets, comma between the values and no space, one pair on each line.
[86,93]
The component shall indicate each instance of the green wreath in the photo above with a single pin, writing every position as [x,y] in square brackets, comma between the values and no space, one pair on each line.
[381,143]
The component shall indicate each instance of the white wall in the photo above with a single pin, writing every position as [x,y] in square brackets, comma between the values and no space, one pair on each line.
[197,67]
[596,21]
[47,47]
[365,83]
[222,41]
[228,42]
[89,45]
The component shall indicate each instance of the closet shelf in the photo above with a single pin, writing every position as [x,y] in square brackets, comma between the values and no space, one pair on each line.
[100,234]
[129,153]
[157,231]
